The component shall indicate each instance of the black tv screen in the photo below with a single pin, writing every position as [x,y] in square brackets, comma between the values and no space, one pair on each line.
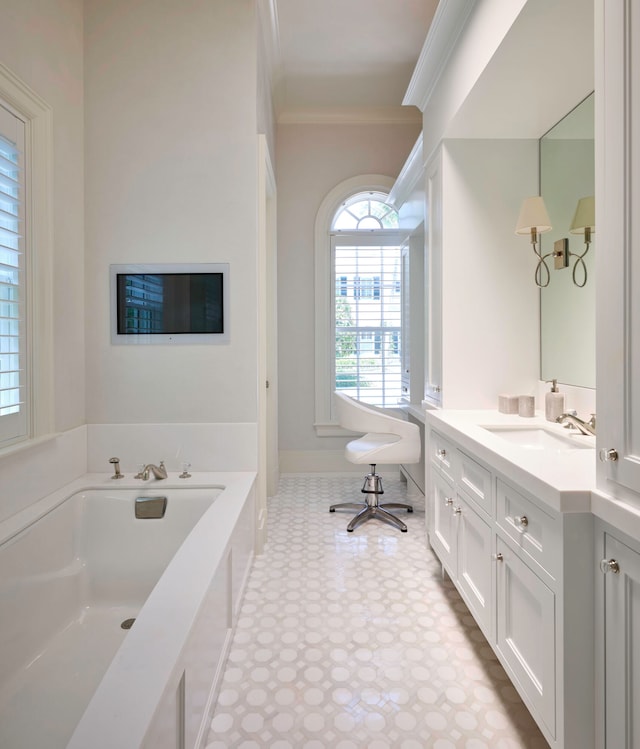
[168,305]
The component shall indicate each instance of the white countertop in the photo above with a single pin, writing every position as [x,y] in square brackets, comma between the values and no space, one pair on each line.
[561,478]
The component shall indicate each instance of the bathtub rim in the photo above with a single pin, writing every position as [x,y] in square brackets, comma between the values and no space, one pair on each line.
[21,520]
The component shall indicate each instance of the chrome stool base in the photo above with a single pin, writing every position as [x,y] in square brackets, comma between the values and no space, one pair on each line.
[371,508]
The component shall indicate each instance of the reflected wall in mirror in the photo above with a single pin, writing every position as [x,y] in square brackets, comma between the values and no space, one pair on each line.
[567,312]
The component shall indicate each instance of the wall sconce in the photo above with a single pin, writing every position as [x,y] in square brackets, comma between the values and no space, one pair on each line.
[534,220]
[584,222]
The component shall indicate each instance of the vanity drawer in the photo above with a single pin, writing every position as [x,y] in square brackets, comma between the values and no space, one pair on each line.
[475,480]
[529,527]
[443,455]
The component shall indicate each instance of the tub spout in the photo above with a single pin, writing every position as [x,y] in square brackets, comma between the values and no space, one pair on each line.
[159,472]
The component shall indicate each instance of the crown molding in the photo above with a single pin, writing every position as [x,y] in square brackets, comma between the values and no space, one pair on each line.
[410,175]
[449,20]
[354,116]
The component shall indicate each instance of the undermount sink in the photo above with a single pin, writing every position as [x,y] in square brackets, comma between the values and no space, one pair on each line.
[538,438]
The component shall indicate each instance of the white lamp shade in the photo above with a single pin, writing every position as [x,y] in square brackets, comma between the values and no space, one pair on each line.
[533,215]
[585,216]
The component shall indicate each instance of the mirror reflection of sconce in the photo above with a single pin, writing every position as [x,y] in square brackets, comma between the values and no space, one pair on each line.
[534,220]
[584,222]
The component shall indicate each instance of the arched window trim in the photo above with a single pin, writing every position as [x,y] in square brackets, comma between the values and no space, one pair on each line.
[324,424]
[366,196]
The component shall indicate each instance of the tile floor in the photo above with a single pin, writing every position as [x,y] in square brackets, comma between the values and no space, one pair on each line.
[354,641]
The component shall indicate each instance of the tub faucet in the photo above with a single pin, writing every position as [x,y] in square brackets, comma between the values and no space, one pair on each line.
[117,474]
[159,472]
[571,420]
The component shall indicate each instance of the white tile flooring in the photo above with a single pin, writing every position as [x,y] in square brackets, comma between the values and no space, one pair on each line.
[354,641]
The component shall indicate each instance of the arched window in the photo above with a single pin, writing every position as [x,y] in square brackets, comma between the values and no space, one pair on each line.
[359,301]
[365,212]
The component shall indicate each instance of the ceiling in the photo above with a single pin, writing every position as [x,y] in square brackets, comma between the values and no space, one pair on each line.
[341,58]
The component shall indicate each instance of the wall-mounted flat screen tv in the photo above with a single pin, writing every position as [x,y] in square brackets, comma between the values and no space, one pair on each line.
[170,303]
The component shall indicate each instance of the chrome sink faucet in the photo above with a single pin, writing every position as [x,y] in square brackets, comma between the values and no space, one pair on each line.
[571,420]
[159,472]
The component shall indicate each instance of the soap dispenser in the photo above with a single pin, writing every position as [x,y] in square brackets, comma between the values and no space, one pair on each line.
[553,402]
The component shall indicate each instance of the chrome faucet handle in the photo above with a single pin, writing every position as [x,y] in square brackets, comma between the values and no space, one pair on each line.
[185,471]
[115,462]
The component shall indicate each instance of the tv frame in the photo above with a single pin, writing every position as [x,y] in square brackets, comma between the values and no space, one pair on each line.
[168,338]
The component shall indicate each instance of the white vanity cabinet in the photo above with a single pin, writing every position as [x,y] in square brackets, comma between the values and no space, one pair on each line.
[460,526]
[522,568]
[617,272]
[618,369]
[462,539]
[525,637]
[619,606]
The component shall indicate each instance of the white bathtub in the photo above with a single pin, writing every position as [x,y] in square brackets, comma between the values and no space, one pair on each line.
[77,564]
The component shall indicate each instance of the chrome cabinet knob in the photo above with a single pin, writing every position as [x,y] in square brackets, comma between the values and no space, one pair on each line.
[441,453]
[609,565]
[498,557]
[457,511]
[448,501]
[522,521]
[608,455]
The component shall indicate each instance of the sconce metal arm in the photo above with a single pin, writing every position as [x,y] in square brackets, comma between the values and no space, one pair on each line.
[541,266]
[580,260]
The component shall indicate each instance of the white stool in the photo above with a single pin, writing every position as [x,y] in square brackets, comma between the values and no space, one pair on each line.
[387,439]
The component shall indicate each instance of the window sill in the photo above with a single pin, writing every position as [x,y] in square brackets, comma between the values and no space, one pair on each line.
[332,430]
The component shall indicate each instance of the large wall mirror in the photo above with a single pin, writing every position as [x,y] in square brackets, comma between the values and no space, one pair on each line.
[567,310]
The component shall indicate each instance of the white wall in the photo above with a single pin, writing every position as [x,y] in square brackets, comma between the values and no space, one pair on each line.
[502,80]
[311,161]
[490,308]
[485,30]
[171,176]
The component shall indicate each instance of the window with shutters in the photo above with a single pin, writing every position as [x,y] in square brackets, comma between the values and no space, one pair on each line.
[26,264]
[367,301]
[14,374]
[358,298]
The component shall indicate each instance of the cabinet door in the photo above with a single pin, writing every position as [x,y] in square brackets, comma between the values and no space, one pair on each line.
[475,565]
[617,271]
[525,633]
[442,533]
[433,283]
[622,647]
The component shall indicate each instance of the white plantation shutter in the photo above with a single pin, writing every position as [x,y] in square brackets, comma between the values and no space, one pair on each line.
[13,340]
[368,315]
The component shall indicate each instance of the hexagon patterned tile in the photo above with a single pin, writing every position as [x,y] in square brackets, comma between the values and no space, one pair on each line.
[354,640]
